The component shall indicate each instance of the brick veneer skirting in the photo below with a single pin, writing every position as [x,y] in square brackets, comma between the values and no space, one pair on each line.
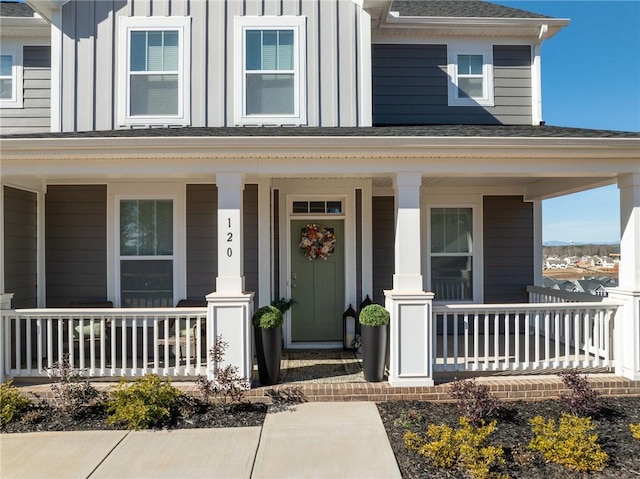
[506,388]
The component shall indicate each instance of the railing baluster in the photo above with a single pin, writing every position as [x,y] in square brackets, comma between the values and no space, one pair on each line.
[145,344]
[445,340]
[476,342]
[556,334]
[507,340]
[455,342]
[486,341]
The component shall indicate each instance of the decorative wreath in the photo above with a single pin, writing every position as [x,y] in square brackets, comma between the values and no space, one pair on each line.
[317,242]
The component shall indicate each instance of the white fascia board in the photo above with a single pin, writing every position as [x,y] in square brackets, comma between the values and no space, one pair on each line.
[465,25]
[46,8]
[24,27]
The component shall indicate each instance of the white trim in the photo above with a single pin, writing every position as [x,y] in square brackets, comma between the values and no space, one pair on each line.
[56,71]
[182,25]
[298,25]
[537,242]
[536,85]
[265,229]
[486,50]
[2,240]
[365,81]
[367,240]
[41,270]
[155,191]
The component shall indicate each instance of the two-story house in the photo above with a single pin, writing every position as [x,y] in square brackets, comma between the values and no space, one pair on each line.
[195,147]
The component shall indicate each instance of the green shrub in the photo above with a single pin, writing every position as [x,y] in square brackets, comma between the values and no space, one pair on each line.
[570,444]
[12,403]
[283,304]
[268,317]
[635,430]
[143,404]
[466,448]
[474,401]
[374,315]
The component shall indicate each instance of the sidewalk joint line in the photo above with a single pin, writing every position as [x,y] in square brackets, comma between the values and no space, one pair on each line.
[108,454]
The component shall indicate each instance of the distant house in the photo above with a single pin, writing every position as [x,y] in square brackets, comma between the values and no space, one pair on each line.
[556,264]
[594,287]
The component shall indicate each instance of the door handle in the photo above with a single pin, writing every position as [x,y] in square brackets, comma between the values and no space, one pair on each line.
[293,285]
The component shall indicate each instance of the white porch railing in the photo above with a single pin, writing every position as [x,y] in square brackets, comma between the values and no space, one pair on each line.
[521,337]
[105,342]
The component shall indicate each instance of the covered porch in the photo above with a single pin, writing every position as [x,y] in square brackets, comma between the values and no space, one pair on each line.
[237,205]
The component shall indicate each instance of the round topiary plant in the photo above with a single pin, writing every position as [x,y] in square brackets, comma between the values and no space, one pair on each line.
[268,317]
[374,315]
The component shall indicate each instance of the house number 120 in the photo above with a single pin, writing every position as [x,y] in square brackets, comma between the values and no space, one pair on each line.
[229,239]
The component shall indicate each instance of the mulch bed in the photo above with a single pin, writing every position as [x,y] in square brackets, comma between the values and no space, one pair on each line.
[513,428]
[191,413]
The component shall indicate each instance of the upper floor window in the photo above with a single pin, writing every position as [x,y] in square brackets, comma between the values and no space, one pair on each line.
[270,70]
[470,75]
[10,74]
[154,80]
[7,81]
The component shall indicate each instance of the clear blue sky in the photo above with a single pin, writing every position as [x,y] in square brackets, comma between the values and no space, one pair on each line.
[590,79]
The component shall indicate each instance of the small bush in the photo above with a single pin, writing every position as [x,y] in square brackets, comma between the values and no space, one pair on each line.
[635,430]
[570,444]
[143,404]
[374,315]
[227,385]
[12,403]
[72,392]
[408,418]
[283,304]
[582,400]
[268,317]
[466,448]
[474,401]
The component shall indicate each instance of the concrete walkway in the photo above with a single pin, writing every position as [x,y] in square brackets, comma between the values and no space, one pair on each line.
[310,440]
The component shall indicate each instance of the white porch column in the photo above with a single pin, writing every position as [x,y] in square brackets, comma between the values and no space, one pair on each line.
[411,351]
[627,321]
[229,307]
[5,304]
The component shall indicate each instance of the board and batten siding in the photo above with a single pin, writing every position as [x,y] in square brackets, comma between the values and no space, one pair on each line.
[35,114]
[90,58]
[508,249]
[410,86]
[20,217]
[75,244]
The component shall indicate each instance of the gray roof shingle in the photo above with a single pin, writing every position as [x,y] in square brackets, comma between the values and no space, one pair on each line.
[490,131]
[15,9]
[458,8]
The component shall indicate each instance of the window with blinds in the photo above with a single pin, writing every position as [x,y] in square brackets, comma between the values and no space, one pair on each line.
[270,68]
[155,72]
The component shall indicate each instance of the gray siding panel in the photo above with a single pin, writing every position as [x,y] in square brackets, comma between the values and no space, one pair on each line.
[21,246]
[410,87]
[35,114]
[508,249]
[250,234]
[383,222]
[76,244]
[91,33]
[202,240]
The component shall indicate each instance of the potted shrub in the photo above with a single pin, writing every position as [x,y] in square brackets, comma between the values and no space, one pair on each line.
[267,328]
[374,320]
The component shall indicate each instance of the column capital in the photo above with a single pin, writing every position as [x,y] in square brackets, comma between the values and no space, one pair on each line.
[628,180]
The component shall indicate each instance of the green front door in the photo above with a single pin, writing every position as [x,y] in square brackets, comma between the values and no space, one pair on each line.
[317,286]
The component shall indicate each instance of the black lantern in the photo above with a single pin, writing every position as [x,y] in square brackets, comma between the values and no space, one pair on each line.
[366,302]
[349,326]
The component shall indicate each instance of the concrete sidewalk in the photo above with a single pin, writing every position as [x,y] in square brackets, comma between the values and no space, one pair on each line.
[311,440]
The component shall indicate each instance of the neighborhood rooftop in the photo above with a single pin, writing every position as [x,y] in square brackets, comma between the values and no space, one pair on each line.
[458,8]
[15,9]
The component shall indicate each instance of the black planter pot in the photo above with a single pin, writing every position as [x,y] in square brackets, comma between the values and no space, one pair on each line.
[374,352]
[269,353]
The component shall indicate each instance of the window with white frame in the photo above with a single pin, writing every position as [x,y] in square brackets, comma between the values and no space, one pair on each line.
[270,70]
[470,75]
[155,78]
[451,253]
[10,74]
[146,253]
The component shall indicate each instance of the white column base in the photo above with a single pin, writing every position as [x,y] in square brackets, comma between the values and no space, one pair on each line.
[627,333]
[229,316]
[411,342]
